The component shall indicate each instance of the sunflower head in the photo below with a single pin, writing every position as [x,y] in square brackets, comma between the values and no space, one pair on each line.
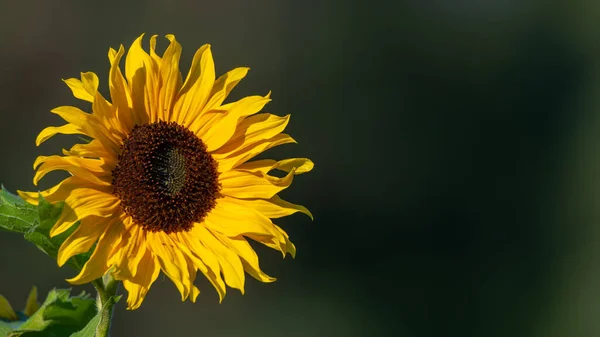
[167,182]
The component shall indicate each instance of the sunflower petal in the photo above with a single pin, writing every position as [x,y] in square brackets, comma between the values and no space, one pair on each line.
[81,203]
[231,265]
[155,58]
[232,219]
[48,132]
[119,91]
[135,59]
[138,286]
[131,251]
[245,184]
[217,130]
[255,129]
[89,124]
[141,72]
[192,271]
[56,193]
[84,168]
[298,165]
[249,258]
[290,247]
[223,86]
[171,78]
[196,89]
[81,240]
[92,150]
[84,89]
[272,208]
[281,242]
[228,161]
[97,265]
[204,259]
[171,260]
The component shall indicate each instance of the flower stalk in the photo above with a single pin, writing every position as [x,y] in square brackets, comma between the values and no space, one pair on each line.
[107,289]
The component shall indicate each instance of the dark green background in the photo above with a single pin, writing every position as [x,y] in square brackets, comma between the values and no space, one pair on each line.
[456,185]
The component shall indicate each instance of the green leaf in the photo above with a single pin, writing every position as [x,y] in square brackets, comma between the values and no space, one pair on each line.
[5,329]
[39,234]
[5,195]
[35,223]
[90,329]
[15,214]
[60,315]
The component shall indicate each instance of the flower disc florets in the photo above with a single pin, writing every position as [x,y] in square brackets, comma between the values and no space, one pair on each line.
[165,179]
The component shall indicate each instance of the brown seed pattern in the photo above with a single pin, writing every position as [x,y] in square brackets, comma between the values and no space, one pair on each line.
[164,178]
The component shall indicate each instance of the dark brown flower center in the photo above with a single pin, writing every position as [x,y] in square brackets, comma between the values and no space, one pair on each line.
[165,178]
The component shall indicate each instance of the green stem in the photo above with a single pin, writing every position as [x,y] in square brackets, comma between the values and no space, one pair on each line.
[99,285]
[106,302]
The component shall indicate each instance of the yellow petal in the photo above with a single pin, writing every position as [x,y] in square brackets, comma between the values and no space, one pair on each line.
[119,91]
[204,259]
[79,118]
[171,260]
[223,86]
[290,247]
[93,165]
[234,219]
[299,165]
[67,129]
[133,248]
[245,184]
[6,311]
[97,266]
[135,59]
[81,203]
[82,239]
[90,82]
[86,88]
[142,75]
[59,192]
[254,129]
[231,266]
[192,271]
[171,78]
[217,130]
[93,150]
[272,208]
[196,89]
[155,58]
[138,286]
[249,258]
[194,294]
[281,242]
[107,115]
[228,161]
[89,124]
[32,305]
[84,168]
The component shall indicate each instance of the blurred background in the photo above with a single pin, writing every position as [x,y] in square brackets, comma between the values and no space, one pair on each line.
[457,179]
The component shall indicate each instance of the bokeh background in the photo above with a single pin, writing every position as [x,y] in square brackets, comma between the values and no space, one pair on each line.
[456,143]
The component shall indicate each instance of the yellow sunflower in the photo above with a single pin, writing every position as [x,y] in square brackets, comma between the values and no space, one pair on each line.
[166,183]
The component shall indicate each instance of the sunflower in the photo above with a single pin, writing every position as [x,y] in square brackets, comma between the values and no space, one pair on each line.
[166,182]
[16,318]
